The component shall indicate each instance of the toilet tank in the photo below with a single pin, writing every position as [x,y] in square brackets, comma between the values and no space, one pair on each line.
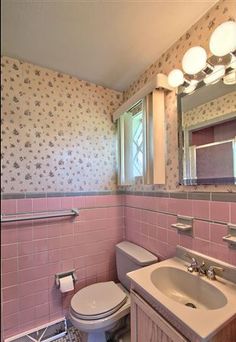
[131,257]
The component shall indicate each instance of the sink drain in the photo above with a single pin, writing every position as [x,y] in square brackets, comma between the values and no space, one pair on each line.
[191,305]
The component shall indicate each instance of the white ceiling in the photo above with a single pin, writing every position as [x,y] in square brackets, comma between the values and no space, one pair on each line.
[106,42]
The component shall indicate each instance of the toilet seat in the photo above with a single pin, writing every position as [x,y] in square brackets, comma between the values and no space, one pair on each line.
[98,301]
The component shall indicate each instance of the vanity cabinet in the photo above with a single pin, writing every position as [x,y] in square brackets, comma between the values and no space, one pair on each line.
[148,326]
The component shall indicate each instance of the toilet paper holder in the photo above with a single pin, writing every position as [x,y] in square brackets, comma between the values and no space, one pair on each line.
[58,276]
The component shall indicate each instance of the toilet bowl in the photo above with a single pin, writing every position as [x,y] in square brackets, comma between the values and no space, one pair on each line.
[98,308]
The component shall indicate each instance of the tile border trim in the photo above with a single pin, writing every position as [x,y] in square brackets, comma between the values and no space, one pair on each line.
[203,196]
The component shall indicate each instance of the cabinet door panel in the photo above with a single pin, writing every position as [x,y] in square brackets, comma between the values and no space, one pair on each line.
[148,326]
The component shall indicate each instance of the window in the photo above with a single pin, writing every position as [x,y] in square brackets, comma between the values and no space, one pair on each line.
[141,141]
[137,134]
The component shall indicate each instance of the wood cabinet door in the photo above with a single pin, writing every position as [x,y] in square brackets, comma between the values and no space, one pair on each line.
[148,326]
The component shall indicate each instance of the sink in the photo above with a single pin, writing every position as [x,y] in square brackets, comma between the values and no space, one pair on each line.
[187,289]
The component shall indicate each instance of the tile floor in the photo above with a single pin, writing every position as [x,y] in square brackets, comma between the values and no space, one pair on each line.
[74,335]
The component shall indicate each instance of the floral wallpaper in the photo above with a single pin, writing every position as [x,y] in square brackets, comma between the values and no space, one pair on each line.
[221,106]
[57,132]
[198,34]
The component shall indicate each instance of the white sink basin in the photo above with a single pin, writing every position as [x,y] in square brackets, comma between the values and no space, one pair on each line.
[187,289]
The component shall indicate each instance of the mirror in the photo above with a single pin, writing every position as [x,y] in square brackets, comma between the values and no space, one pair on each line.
[207,135]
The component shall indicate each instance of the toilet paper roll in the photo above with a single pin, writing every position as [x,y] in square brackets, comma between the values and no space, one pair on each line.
[66,284]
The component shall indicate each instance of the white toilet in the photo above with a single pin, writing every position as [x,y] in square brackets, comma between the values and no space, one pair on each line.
[98,308]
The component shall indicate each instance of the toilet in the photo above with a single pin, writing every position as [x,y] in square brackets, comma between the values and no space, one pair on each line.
[99,307]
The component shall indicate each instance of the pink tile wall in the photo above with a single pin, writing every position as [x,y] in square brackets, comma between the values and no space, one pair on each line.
[152,229]
[32,252]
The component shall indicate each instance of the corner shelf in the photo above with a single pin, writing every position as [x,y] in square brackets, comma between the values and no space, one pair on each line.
[231,237]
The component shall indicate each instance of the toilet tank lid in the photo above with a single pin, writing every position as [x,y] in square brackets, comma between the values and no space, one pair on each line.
[138,254]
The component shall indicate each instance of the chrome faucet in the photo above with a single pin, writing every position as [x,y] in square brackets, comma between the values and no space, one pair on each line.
[194,266]
[211,272]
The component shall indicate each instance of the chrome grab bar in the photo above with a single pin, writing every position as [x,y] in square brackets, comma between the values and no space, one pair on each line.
[61,213]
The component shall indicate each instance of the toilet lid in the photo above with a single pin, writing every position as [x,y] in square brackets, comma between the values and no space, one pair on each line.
[98,300]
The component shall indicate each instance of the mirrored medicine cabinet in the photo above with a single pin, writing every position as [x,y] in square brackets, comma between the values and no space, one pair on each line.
[207,134]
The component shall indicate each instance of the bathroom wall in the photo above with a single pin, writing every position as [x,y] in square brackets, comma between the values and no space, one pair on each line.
[150,210]
[198,34]
[58,152]
[148,219]
[33,251]
[57,131]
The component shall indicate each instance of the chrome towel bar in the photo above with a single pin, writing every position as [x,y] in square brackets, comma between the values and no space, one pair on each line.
[45,215]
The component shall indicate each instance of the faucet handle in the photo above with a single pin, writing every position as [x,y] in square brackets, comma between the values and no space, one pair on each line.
[211,272]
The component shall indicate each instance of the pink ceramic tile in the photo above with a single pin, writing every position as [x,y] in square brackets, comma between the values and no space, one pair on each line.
[9,293]
[53,203]
[162,234]
[10,321]
[25,234]
[27,315]
[9,265]
[26,275]
[67,228]
[54,231]
[8,206]
[219,252]
[162,220]
[26,302]
[25,248]
[10,307]
[233,213]
[219,211]
[201,230]
[9,251]
[186,241]
[10,279]
[24,205]
[9,235]
[201,209]
[163,204]
[66,202]
[40,232]
[202,246]
[54,255]
[217,231]
[78,202]
[40,245]
[39,204]
[172,237]
[42,310]
[67,241]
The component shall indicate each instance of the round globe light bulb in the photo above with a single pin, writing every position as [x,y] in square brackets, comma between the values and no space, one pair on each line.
[217,73]
[223,39]
[175,78]
[194,60]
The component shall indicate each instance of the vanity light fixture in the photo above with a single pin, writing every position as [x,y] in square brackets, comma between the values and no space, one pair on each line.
[197,67]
